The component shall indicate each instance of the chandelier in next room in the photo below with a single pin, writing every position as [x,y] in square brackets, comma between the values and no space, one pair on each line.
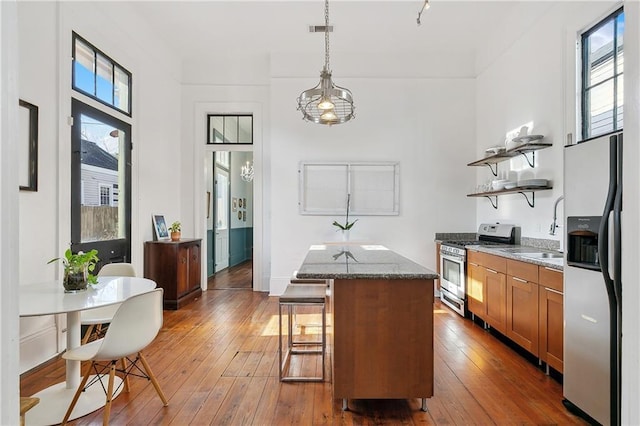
[326,103]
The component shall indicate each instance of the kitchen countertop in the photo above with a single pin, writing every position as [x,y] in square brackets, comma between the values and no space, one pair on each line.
[516,251]
[354,261]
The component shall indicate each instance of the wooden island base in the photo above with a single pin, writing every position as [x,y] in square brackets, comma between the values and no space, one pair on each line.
[382,339]
[382,315]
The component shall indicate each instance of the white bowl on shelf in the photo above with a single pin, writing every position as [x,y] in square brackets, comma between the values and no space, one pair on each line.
[498,184]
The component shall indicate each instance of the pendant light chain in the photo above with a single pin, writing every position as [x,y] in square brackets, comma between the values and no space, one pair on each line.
[326,35]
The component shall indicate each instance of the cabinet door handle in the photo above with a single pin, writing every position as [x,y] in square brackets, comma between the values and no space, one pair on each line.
[551,269]
[474,264]
[520,279]
[184,260]
[492,271]
[554,291]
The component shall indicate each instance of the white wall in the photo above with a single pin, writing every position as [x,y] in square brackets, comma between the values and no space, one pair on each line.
[9,215]
[528,82]
[631,220]
[426,124]
[44,31]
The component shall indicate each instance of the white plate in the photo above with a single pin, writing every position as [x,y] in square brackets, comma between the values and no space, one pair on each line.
[533,182]
[526,138]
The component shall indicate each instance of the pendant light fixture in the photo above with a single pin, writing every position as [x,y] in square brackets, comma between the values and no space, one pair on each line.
[326,103]
[246,173]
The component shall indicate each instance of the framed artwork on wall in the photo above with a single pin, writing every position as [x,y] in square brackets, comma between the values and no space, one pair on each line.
[28,146]
[239,215]
[160,230]
[244,216]
[240,202]
[234,204]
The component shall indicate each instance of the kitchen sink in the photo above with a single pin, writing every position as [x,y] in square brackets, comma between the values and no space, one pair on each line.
[542,255]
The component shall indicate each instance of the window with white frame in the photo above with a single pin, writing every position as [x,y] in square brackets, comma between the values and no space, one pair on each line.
[602,76]
[105,195]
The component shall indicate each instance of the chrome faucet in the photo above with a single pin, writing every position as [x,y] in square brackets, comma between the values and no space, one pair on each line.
[554,225]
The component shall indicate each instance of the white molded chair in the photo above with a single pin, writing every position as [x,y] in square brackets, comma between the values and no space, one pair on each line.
[94,319]
[134,326]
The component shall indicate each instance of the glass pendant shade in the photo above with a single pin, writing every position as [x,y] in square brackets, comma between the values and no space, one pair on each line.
[326,103]
[246,173]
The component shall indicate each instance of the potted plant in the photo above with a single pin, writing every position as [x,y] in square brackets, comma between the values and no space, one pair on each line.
[77,269]
[346,227]
[175,231]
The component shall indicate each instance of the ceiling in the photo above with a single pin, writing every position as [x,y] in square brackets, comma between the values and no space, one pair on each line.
[199,29]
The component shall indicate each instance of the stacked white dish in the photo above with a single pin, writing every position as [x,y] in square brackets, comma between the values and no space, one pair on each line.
[495,150]
[533,182]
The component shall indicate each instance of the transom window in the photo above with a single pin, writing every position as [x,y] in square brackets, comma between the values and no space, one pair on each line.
[230,129]
[602,76]
[100,77]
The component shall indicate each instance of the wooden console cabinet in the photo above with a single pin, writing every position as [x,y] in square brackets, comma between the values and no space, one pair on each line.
[174,266]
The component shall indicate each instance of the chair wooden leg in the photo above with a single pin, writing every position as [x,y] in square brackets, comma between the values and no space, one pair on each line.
[107,406]
[126,376]
[87,334]
[83,382]
[153,379]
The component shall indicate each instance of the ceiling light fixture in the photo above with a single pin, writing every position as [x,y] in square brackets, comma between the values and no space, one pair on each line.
[326,103]
[247,172]
[424,7]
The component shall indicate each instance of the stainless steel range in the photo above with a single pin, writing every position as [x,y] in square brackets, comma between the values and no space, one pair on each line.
[453,257]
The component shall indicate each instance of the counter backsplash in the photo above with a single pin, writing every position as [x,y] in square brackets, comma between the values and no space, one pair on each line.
[524,241]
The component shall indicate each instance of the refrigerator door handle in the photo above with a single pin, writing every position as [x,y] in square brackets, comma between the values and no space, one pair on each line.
[603,231]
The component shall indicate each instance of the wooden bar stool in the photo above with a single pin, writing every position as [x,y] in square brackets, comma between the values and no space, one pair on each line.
[301,295]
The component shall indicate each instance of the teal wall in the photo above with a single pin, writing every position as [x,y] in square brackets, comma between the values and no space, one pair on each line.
[240,245]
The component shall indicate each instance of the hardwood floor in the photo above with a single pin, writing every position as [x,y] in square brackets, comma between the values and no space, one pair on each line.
[216,360]
[237,277]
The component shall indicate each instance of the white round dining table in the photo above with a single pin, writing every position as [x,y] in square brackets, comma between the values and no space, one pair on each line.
[49,298]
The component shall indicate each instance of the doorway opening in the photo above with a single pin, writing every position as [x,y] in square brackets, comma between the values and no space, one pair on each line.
[229,220]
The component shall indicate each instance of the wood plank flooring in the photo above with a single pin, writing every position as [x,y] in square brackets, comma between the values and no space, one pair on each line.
[238,277]
[216,360]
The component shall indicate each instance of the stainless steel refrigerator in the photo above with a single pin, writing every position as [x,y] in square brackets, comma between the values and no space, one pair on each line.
[592,288]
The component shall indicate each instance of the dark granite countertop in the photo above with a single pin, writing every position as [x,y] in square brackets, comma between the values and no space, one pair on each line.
[360,262]
[519,253]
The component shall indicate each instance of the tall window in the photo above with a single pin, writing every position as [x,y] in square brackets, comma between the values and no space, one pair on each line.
[602,76]
[100,77]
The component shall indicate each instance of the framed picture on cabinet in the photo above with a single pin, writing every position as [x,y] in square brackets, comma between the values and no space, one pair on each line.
[160,231]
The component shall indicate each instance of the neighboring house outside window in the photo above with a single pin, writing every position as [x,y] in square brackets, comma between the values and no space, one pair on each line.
[602,76]
[99,172]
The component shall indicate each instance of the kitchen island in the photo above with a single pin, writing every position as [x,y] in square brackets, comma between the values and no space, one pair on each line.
[382,314]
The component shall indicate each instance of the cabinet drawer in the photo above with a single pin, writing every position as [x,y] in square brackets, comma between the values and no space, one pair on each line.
[523,270]
[496,263]
[551,278]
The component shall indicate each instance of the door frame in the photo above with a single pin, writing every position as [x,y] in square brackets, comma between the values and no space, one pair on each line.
[79,107]
[260,258]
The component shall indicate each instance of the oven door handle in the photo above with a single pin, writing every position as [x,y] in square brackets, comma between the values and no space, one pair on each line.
[452,258]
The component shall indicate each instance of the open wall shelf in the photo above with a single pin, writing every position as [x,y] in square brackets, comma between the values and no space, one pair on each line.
[523,149]
[524,190]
